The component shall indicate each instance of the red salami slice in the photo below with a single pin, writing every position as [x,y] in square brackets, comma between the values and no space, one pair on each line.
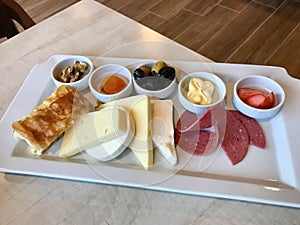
[236,140]
[200,142]
[232,129]
[206,120]
[255,131]
[191,136]
[190,122]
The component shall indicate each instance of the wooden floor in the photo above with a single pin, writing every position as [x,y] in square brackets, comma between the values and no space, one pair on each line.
[237,31]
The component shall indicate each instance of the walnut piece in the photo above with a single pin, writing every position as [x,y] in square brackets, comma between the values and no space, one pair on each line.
[73,73]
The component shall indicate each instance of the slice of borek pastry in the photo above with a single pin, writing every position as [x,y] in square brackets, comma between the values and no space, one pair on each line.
[48,121]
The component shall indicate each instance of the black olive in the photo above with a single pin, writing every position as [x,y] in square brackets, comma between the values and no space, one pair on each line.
[147,70]
[167,72]
[139,73]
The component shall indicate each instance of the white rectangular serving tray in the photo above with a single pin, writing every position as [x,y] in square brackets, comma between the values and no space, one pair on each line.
[269,176]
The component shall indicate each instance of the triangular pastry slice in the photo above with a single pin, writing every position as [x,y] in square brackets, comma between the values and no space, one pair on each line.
[48,121]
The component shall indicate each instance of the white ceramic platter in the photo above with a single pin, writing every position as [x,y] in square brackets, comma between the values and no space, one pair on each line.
[269,176]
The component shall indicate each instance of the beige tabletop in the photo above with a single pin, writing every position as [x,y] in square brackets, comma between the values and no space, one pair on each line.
[89,28]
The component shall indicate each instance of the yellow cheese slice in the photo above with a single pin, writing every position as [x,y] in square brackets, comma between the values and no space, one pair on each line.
[92,129]
[139,108]
[163,129]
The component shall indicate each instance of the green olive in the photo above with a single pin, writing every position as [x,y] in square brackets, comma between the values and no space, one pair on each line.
[157,66]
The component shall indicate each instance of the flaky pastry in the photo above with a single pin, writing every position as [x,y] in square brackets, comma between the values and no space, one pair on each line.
[48,121]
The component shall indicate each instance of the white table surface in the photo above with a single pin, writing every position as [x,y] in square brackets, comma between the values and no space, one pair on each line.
[89,28]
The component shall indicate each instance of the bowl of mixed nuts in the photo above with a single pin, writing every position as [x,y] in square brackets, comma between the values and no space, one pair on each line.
[74,71]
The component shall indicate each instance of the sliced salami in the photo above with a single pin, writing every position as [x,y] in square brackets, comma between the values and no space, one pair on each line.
[206,120]
[255,131]
[190,133]
[236,140]
[190,122]
[200,142]
[231,128]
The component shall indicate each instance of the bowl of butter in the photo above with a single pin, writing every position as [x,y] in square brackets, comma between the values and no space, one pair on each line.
[199,91]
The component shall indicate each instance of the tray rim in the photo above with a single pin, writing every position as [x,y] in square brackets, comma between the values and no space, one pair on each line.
[246,191]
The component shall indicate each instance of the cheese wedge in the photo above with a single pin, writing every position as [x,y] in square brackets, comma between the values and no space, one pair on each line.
[139,108]
[163,129]
[92,129]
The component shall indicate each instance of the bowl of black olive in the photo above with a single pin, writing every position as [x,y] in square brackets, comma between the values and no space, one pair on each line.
[155,79]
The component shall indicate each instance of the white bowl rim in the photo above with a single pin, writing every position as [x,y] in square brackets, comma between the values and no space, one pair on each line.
[110,65]
[196,74]
[278,106]
[146,91]
[86,59]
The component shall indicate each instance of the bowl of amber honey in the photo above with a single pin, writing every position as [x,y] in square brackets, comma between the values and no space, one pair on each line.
[111,82]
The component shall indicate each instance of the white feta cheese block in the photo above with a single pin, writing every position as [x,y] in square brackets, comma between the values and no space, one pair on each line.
[163,129]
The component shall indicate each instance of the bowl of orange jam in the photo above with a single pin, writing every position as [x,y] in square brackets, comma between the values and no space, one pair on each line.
[111,82]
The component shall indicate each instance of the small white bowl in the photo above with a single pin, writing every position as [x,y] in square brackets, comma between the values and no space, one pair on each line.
[101,73]
[262,83]
[218,95]
[160,94]
[62,64]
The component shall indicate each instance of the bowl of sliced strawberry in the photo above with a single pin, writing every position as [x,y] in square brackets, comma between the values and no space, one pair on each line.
[258,96]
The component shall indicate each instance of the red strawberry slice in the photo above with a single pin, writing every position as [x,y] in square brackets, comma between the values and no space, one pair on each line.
[245,93]
[257,101]
[261,101]
[269,102]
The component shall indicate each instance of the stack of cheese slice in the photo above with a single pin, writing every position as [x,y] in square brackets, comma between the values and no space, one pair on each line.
[140,110]
[153,123]
[93,128]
